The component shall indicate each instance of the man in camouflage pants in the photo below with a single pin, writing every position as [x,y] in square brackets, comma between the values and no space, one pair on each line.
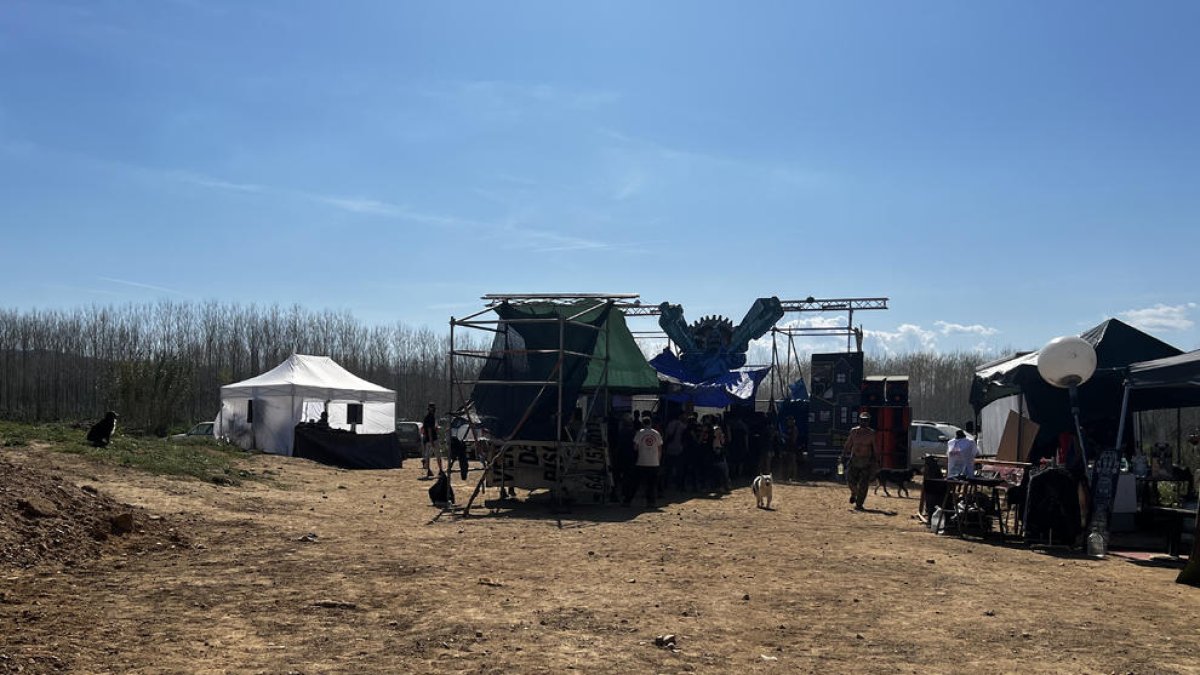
[863,463]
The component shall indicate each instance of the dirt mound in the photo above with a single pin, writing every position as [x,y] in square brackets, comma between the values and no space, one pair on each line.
[46,520]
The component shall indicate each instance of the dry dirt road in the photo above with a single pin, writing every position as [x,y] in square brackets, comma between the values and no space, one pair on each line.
[318,570]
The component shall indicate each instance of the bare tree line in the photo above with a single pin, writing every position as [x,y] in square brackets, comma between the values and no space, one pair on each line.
[162,365]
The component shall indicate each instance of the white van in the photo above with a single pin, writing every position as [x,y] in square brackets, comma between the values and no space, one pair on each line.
[929,438]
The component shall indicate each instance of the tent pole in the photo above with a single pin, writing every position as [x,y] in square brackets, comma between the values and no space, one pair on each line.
[1178,436]
[774,362]
[1121,419]
[558,422]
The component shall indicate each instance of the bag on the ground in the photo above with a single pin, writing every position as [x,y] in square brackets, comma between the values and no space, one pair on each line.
[441,492]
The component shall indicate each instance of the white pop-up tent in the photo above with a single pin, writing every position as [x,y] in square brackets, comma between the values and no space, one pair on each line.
[262,412]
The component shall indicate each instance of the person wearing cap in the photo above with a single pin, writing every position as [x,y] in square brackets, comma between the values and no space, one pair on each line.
[862,460]
[429,438]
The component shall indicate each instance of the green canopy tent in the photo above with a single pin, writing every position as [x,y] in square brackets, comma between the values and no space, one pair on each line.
[628,370]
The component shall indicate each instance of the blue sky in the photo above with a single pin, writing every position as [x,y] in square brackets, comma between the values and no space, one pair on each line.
[1004,172]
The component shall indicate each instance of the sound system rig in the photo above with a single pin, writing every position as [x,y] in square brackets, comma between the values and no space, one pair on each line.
[839,392]
[886,400]
[834,401]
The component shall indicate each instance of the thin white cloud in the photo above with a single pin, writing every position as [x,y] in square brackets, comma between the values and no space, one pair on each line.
[640,153]
[138,284]
[1161,317]
[630,184]
[501,100]
[216,183]
[372,207]
[906,338]
[541,241]
[948,328]
[355,205]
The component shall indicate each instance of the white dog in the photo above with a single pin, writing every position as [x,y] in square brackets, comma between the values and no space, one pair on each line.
[762,488]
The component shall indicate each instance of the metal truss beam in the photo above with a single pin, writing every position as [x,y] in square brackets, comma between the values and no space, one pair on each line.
[811,304]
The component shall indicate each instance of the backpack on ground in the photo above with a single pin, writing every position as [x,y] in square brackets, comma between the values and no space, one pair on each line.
[441,492]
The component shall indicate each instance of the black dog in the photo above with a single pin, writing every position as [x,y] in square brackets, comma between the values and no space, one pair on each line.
[441,493]
[101,432]
[897,477]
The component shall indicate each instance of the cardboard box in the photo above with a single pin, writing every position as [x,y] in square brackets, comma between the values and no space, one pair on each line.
[1008,450]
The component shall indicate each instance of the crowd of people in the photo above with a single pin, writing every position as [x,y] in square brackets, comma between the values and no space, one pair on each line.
[690,454]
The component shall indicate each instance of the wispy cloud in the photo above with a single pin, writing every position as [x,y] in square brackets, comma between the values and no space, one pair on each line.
[541,241]
[510,100]
[906,338]
[640,155]
[1161,317]
[358,205]
[631,184]
[138,284]
[949,328]
[216,183]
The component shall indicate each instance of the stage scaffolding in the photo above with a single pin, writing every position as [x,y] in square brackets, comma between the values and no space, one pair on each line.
[567,451]
[789,367]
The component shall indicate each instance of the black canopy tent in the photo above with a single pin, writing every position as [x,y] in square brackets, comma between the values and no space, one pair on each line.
[1173,382]
[1117,345]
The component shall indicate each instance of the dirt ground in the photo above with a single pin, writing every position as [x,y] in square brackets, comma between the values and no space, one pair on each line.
[317,570]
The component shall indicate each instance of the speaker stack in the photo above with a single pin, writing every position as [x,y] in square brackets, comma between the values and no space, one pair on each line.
[886,400]
[836,398]
[897,391]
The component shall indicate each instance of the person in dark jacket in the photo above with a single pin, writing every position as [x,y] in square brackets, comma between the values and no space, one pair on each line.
[429,439]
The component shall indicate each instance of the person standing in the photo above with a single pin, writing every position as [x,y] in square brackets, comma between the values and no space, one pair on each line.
[429,437]
[458,453]
[649,446]
[672,465]
[720,459]
[624,456]
[861,460]
[960,456]
[739,445]
[789,456]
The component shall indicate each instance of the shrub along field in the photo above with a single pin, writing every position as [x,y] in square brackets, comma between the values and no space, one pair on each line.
[199,458]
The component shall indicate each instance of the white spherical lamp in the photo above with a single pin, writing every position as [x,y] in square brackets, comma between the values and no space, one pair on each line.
[1067,361]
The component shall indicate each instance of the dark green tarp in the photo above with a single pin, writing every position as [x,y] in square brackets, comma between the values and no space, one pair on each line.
[525,349]
[628,370]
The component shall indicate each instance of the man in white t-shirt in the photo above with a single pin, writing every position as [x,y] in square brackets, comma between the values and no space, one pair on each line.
[960,456]
[649,445]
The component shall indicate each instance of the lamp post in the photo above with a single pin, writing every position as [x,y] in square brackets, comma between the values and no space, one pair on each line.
[1067,362]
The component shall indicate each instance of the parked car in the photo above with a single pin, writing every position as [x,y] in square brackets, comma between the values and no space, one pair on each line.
[203,429]
[929,438]
[409,434]
[475,432]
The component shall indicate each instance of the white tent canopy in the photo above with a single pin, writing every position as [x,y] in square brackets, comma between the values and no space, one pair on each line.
[297,390]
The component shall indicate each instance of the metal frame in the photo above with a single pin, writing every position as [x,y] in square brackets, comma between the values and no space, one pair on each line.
[565,451]
[811,304]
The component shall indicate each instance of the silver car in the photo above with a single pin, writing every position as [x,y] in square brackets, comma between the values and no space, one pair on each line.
[929,438]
